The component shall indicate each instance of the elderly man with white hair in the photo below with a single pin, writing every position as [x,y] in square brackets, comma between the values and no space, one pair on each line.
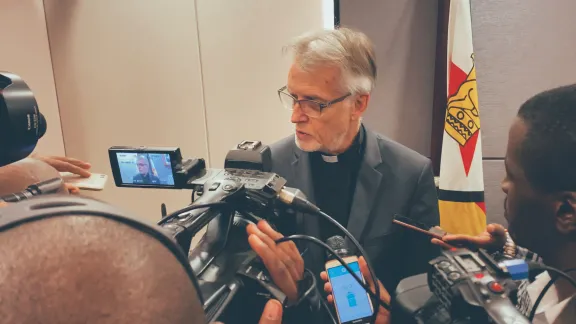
[361,178]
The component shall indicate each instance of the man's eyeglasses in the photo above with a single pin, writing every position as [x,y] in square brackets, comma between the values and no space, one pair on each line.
[311,108]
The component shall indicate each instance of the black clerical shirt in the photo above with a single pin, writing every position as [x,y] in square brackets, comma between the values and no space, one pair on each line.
[334,181]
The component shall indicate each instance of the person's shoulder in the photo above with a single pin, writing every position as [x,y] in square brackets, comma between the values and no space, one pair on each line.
[282,148]
[283,144]
[395,153]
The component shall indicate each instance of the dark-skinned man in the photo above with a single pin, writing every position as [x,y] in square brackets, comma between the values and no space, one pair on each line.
[540,188]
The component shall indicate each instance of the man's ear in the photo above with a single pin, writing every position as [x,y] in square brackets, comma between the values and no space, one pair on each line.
[360,105]
[566,214]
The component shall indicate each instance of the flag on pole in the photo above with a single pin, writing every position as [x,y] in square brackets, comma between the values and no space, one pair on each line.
[152,166]
[461,183]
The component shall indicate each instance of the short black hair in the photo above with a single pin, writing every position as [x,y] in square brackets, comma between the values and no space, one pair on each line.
[87,269]
[548,153]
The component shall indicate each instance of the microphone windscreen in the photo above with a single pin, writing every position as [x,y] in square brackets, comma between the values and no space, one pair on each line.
[338,244]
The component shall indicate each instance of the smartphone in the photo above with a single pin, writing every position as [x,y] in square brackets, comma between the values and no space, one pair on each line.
[352,302]
[96,181]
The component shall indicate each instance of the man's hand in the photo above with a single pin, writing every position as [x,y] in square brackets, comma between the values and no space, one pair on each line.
[66,164]
[2,204]
[383,316]
[283,260]
[492,239]
[272,313]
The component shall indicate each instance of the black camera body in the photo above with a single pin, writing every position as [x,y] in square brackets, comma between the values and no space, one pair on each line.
[227,201]
[164,167]
[474,288]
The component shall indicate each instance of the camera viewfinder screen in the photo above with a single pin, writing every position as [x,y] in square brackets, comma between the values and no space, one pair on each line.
[152,169]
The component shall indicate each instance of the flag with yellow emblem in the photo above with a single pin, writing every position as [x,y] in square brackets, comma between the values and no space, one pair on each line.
[461,183]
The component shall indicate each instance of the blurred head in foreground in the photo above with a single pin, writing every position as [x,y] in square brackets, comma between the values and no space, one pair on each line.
[87,269]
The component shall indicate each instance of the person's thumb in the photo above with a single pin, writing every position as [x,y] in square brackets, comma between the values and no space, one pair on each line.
[497,231]
[366,272]
[272,313]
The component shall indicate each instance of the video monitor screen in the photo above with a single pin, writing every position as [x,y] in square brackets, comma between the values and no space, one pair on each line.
[152,169]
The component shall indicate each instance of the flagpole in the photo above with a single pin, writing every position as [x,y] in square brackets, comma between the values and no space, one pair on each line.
[336,13]
[440,93]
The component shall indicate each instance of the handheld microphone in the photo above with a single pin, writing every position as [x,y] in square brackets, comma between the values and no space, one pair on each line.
[45,187]
[338,244]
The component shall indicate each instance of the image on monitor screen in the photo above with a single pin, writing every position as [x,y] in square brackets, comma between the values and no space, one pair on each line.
[145,169]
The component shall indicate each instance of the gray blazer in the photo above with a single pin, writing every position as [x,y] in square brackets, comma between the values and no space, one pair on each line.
[392,179]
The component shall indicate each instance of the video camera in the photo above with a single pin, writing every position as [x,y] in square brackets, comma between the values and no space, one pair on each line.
[475,288]
[229,199]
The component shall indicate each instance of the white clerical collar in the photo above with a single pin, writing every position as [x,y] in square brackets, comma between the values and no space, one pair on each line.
[330,158]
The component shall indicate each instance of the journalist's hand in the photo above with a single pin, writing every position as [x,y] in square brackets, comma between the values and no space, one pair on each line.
[272,313]
[66,164]
[492,239]
[383,316]
[283,260]
[71,189]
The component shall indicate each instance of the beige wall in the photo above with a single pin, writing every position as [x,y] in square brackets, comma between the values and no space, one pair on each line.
[201,75]
[128,73]
[241,45]
[24,50]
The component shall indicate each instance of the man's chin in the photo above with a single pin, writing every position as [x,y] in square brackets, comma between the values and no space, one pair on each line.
[307,146]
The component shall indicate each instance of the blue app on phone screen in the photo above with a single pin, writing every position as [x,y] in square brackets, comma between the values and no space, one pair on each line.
[351,299]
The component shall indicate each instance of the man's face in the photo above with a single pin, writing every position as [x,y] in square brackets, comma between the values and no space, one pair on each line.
[337,125]
[142,166]
[530,213]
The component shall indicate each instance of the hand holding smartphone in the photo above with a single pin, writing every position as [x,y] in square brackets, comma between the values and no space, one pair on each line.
[352,302]
[96,181]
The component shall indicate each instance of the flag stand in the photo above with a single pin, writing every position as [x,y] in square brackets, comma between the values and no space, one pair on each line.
[440,99]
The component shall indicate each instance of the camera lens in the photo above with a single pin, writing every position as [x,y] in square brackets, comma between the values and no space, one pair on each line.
[21,123]
[41,125]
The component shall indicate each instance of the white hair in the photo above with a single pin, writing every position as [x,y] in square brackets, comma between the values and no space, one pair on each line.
[350,50]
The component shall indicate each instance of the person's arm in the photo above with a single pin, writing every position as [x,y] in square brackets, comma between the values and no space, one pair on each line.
[415,250]
[286,267]
[495,239]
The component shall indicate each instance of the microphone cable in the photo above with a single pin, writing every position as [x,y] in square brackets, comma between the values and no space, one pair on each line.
[327,308]
[539,266]
[553,279]
[292,199]
[189,208]
[314,240]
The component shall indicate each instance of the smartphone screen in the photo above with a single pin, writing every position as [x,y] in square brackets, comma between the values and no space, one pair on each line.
[352,302]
